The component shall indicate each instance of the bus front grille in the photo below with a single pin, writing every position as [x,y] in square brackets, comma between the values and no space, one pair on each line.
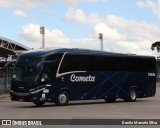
[21,94]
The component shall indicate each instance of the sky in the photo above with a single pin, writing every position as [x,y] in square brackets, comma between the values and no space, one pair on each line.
[128,26]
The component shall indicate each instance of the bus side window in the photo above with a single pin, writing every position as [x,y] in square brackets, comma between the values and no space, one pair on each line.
[46,74]
[102,64]
[45,77]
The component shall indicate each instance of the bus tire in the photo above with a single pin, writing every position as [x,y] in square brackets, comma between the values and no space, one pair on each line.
[132,96]
[39,103]
[110,100]
[62,99]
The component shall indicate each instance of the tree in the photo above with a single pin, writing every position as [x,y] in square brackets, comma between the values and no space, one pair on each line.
[156,46]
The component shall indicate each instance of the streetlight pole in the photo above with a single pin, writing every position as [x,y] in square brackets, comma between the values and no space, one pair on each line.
[42,32]
[101,41]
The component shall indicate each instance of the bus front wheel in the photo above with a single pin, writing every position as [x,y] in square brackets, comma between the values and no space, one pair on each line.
[63,99]
[132,96]
[39,103]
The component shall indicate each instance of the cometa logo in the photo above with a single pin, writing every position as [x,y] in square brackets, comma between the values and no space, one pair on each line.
[75,78]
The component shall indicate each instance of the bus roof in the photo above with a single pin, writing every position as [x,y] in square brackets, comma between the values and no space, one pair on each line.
[46,52]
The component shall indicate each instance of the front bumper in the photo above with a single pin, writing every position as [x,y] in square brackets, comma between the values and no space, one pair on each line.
[27,96]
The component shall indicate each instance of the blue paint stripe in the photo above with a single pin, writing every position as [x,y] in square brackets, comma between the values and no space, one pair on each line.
[101,84]
[115,84]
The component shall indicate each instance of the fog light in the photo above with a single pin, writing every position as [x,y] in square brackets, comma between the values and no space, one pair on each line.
[46,91]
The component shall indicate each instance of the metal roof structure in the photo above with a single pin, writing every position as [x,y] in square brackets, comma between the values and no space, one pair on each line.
[9,47]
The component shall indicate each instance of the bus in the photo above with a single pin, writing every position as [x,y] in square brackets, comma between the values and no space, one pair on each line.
[62,75]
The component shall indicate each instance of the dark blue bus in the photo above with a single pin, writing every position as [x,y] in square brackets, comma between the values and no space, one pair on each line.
[63,75]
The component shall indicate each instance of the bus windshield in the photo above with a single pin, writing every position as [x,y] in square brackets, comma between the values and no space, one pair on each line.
[25,70]
[32,71]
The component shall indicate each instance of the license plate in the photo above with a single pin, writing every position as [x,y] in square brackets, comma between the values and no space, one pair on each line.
[21,100]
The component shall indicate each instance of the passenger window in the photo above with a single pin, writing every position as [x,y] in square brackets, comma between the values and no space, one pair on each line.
[45,77]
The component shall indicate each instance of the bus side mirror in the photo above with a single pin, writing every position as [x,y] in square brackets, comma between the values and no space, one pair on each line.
[5,67]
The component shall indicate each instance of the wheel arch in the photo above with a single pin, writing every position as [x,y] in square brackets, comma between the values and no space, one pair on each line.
[66,90]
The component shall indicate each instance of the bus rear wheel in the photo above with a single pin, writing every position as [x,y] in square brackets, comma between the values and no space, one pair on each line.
[132,96]
[63,99]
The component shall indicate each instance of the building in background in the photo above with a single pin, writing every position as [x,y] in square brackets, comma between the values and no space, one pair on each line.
[9,50]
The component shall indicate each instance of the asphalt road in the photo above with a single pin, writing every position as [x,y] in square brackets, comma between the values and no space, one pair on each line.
[147,108]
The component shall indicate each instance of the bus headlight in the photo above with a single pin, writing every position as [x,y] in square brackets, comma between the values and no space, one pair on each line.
[46,91]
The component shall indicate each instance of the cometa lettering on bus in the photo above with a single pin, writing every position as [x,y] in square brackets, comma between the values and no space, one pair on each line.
[75,78]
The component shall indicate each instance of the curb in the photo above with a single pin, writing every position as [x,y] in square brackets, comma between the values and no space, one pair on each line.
[4,96]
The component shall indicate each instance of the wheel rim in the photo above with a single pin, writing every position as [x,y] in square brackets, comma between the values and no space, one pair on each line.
[62,98]
[133,95]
